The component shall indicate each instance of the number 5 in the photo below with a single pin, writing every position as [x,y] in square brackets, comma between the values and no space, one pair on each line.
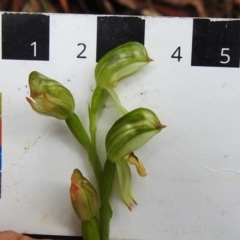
[225,55]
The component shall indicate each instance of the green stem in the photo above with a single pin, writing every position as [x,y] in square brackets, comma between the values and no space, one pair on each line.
[105,218]
[108,174]
[105,192]
[93,109]
[93,152]
[76,127]
[90,229]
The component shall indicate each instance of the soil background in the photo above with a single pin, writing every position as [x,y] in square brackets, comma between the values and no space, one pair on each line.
[175,8]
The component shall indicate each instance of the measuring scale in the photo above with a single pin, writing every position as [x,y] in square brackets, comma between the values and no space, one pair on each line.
[192,188]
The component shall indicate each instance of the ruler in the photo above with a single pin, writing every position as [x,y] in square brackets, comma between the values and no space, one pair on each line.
[192,188]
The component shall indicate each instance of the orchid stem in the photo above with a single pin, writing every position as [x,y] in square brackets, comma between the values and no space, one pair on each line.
[109,167]
[105,192]
[76,127]
[93,109]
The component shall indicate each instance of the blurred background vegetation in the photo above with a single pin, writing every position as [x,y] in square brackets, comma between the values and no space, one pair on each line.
[176,8]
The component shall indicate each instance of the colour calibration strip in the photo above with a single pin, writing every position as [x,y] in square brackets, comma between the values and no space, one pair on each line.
[0,143]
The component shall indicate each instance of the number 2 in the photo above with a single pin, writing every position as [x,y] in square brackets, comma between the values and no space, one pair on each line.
[225,55]
[84,48]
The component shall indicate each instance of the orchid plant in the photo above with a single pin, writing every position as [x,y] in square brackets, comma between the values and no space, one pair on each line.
[130,132]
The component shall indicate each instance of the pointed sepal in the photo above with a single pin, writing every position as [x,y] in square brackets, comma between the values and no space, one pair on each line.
[125,183]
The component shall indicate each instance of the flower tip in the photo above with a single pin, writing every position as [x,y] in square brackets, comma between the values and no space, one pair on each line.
[32,74]
[129,207]
[133,160]
[134,201]
[76,176]
[162,126]
[30,101]
[141,170]
[129,204]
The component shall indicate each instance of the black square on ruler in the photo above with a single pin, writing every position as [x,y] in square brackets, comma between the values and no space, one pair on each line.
[25,36]
[216,43]
[58,237]
[114,31]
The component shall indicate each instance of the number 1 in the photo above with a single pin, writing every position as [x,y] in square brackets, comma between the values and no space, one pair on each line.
[34,44]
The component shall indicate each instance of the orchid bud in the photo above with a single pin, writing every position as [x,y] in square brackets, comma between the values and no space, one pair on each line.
[130,132]
[83,196]
[49,97]
[120,62]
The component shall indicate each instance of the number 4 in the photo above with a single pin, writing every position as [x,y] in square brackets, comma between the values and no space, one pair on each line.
[177,54]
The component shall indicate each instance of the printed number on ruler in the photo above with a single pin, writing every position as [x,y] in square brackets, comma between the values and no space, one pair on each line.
[224,54]
[34,44]
[177,54]
[83,50]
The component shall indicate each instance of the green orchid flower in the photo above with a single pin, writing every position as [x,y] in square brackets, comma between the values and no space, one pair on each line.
[128,134]
[49,97]
[118,63]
